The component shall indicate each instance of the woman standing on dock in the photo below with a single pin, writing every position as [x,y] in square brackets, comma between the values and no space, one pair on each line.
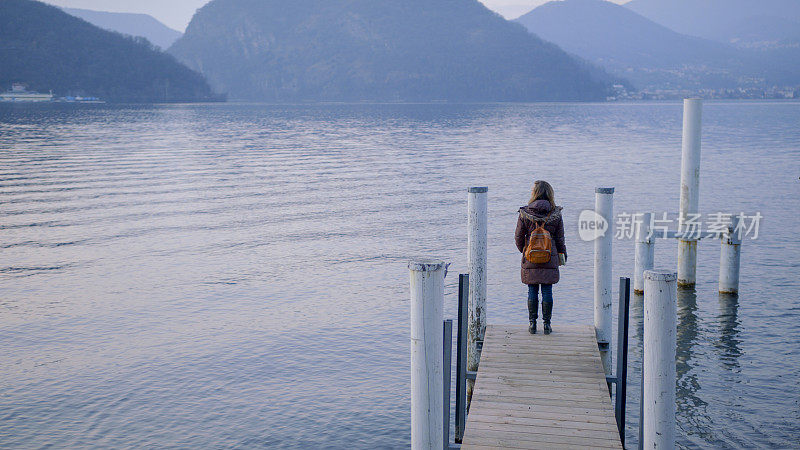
[541,212]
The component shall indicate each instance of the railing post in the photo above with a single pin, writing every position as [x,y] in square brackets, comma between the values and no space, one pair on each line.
[620,398]
[604,207]
[447,361]
[729,257]
[427,390]
[660,329]
[641,406]
[690,187]
[645,252]
[461,357]
[476,263]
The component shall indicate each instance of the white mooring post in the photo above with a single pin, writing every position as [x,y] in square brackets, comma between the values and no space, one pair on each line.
[660,329]
[645,252]
[604,207]
[690,187]
[729,259]
[477,204]
[427,385]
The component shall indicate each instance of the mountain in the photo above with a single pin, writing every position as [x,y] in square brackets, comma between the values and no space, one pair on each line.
[629,45]
[767,31]
[378,50]
[612,35]
[48,49]
[730,21]
[131,24]
[654,57]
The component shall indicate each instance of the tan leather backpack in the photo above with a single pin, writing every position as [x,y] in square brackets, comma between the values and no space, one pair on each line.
[540,244]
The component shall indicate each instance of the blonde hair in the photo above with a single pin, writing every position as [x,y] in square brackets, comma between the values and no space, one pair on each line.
[543,190]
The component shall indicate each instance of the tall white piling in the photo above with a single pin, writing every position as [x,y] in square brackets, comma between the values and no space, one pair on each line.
[427,385]
[660,328]
[645,251]
[690,187]
[729,259]
[477,204]
[604,207]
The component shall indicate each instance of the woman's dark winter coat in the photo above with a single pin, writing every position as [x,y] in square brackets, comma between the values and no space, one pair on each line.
[541,211]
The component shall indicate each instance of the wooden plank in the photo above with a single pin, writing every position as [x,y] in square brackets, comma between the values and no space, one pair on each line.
[532,392]
[524,445]
[552,354]
[551,339]
[576,410]
[557,392]
[520,381]
[556,430]
[537,391]
[546,415]
[588,372]
[571,375]
[486,416]
[531,440]
[520,329]
[581,347]
[512,349]
[554,339]
[588,367]
[549,363]
[542,376]
[539,397]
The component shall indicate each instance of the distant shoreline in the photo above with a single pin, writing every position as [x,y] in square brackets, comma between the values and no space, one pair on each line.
[376,103]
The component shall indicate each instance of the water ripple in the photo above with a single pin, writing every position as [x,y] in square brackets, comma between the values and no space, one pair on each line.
[235,275]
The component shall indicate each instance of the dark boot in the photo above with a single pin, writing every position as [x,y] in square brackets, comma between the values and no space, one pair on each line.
[547,313]
[533,314]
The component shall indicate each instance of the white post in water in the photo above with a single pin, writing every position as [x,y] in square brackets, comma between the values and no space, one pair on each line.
[476,266]
[690,187]
[427,385]
[729,259]
[643,260]
[604,207]
[660,329]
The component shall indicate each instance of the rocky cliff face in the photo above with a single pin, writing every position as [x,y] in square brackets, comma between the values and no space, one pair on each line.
[378,50]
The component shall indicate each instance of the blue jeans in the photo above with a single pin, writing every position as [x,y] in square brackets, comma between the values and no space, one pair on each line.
[533,302]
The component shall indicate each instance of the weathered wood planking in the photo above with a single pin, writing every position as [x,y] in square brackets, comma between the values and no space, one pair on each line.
[537,391]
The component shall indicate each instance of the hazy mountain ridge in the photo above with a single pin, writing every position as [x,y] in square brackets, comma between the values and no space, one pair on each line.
[740,22]
[355,50]
[603,31]
[131,24]
[653,56]
[48,49]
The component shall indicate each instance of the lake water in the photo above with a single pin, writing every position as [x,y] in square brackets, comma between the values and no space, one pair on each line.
[235,275]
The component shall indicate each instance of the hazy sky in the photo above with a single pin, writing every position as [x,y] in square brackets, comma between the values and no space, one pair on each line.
[177,13]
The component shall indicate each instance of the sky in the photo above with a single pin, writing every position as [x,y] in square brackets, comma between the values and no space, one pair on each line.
[177,13]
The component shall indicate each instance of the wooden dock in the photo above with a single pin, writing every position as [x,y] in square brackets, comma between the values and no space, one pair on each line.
[537,391]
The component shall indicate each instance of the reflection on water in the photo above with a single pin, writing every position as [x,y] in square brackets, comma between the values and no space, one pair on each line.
[729,343]
[698,417]
[691,408]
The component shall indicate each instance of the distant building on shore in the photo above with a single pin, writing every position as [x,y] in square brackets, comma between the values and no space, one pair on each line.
[19,93]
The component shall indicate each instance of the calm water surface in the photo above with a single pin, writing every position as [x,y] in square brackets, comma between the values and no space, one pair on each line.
[235,275]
